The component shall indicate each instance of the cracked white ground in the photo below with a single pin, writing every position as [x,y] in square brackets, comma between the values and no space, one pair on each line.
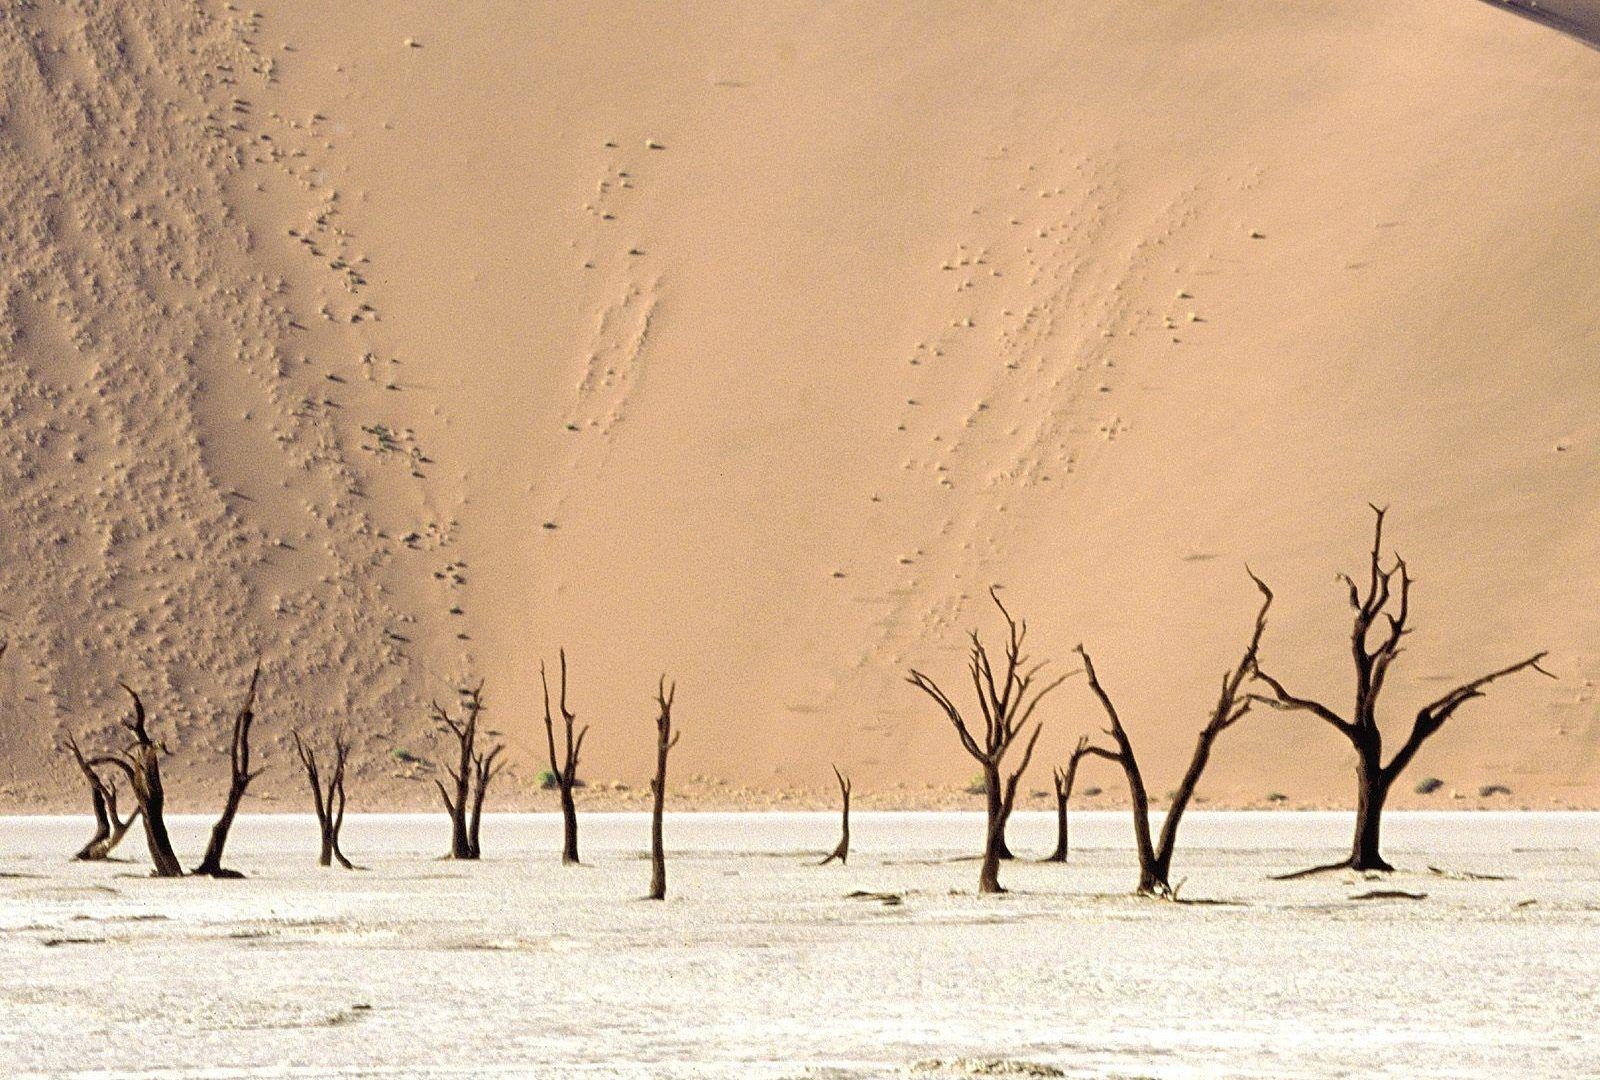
[758,965]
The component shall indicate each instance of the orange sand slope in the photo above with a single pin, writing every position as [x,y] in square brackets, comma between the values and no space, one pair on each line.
[407,343]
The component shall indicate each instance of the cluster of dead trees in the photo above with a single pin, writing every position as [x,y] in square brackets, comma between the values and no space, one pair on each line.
[138,762]
[470,770]
[1006,699]
[1008,688]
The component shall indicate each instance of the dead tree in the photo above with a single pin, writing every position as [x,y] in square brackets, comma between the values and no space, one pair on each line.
[327,798]
[485,767]
[1007,704]
[470,775]
[566,769]
[1063,783]
[666,739]
[842,852]
[1373,647]
[239,779]
[140,762]
[109,827]
[1155,859]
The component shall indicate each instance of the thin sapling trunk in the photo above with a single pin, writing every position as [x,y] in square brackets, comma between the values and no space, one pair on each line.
[842,850]
[1064,779]
[565,768]
[238,780]
[328,797]
[666,739]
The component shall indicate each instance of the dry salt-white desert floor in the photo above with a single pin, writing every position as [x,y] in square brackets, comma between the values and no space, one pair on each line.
[758,965]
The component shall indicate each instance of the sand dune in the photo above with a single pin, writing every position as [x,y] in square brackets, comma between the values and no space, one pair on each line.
[753,345]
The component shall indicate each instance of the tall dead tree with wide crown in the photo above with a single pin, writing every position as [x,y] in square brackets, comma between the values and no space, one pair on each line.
[1007,703]
[239,779]
[1155,858]
[564,768]
[109,826]
[470,775]
[1382,610]
[140,763]
[327,796]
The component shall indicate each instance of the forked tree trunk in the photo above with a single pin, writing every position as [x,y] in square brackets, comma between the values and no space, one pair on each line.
[108,831]
[565,769]
[666,739]
[1373,647]
[841,851]
[484,769]
[140,763]
[1155,859]
[329,804]
[470,776]
[109,827]
[1007,701]
[1064,779]
[239,779]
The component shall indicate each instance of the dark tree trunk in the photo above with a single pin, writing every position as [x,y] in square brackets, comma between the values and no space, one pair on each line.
[1155,859]
[99,845]
[329,805]
[474,826]
[569,828]
[991,799]
[666,739]
[565,769]
[141,765]
[1007,700]
[1372,791]
[460,838]
[1064,780]
[239,779]
[841,851]
[153,808]
[108,831]
[994,836]
[484,769]
[1062,844]
[109,827]
[469,776]
[1373,648]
